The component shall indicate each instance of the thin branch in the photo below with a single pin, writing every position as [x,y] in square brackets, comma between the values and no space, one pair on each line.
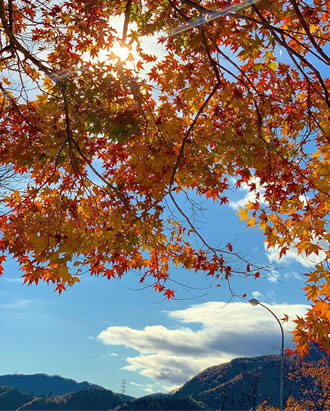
[309,34]
[211,60]
[14,42]
[10,12]
[126,21]
[132,86]
[187,135]
[301,58]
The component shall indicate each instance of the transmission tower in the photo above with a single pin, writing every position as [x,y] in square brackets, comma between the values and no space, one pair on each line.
[123,386]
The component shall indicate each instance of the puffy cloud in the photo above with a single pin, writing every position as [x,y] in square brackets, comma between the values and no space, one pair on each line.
[256,294]
[292,255]
[148,388]
[169,369]
[208,334]
[249,195]
[273,275]
[293,274]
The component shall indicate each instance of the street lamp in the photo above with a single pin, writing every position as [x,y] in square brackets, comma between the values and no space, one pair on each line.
[255,302]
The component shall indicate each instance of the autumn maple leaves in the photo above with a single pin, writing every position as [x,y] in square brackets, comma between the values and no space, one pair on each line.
[105,147]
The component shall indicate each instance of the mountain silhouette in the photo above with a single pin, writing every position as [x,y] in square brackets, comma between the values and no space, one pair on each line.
[241,384]
[11,398]
[244,383]
[90,399]
[43,384]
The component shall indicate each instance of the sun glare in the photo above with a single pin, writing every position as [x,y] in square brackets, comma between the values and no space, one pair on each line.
[120,51]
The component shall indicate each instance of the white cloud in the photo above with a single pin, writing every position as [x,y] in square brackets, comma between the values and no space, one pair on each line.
[171,369]
[225,331]
[273,255]
[273,276]
[256,294]
[150,388]
[13,280]
[249,195]
[293,274]
[16,304]
[109,354]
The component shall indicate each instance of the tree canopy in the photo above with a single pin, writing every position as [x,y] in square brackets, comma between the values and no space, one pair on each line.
[100,146]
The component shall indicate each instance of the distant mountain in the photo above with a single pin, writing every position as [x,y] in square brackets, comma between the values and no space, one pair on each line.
[90,399]
[242,383]
[43,384]
[11,398]
[161,402]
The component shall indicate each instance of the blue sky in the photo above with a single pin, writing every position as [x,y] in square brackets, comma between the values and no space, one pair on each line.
[105,331]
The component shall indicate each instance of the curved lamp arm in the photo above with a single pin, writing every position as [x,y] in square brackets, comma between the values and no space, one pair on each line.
[255,302]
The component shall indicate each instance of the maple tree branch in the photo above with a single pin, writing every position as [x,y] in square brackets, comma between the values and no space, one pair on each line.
[139,99]
[289,163]
[126,21]
[187,135]
[280,30]
[265,142]
[309,50]
[324,58]
[213,249]
[309,34]
[69,131]
[88,162]
[7,95]
[10,14]
[37,190]
[249,18]
[123,198]
[283,43]
[191,225]
[176,8]
[14,42]
[7,48]
[132,86]
[239,69]
[198,7]
[288,48]
[211,60]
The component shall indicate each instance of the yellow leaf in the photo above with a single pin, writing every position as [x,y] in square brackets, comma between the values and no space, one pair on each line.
[251,222]
[243,214]
[272,66]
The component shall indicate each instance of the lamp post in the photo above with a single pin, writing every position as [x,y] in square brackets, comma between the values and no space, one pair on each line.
[255,302]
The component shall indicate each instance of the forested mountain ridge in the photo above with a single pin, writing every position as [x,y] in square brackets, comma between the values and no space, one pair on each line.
[43,384]
[89,399]
[11,398]
[240,384]
[245,383]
